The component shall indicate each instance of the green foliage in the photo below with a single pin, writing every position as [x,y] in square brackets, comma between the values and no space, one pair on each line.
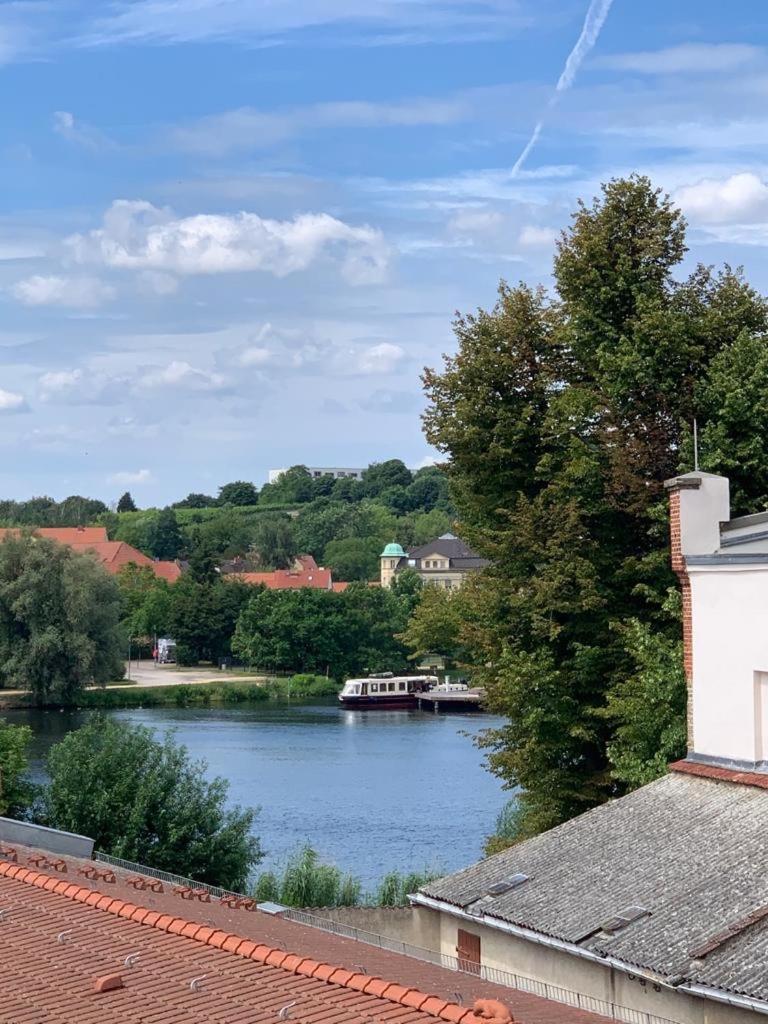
[380,476]
[319,631]
[560,419]
[14,790]
[301,686]
[202,616]
[144,800]
[165,540]
[146,601]
[273,545]
[195,500]
[293,487]
[59,615]
[192,695]
[72,511]
[648,706]
[308,882]
[239,492]
[353,558]
[506,830]
[395,887]
[436,623]
[126,503]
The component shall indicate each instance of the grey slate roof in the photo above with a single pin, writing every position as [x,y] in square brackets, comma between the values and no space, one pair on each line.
[692,851]
[451,547]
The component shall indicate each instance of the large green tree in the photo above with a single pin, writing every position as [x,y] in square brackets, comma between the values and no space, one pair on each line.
[145,800]
[559,419]
[15,791]
[59,619]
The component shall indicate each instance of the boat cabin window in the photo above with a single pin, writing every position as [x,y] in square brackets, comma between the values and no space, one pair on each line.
[374,687]
[352,688]
[391,687]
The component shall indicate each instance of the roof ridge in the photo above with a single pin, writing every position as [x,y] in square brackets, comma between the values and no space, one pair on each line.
[217,938]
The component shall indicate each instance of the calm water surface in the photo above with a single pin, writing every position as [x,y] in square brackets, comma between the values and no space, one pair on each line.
[371,790]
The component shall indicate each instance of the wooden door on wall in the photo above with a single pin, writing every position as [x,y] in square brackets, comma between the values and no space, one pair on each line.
[468,951]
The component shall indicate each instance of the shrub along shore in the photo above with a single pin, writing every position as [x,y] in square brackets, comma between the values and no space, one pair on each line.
[297,687]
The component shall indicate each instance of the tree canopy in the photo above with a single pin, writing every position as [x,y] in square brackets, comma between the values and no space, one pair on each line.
[59,619]
[559,418]
[145,800]
[126,503]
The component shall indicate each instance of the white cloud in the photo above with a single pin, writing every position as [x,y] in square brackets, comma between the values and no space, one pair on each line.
[250,128]
[180,375]
[68,127]
[126,476]
[380,21]
[255,355]
[381,358]
[688,58]
[533,236]
[741,198]
[81,387]
[55,290]
[139,236]
[11,401]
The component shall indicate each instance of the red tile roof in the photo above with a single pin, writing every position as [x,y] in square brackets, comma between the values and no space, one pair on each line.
[113,554]
[65,534]
[99,932]
[711,771]
[73,954]
[288,579]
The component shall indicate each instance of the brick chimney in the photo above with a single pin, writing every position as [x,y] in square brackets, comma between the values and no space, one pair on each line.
[698,504]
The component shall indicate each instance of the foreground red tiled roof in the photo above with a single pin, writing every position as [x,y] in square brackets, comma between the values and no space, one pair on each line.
[62,940]
[711,771]
[61,935]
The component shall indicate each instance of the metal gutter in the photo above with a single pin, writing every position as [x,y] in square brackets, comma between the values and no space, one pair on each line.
[718,995]
[701,991]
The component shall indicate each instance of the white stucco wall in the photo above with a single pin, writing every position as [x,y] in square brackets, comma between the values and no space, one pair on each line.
[702,510]
[730,654]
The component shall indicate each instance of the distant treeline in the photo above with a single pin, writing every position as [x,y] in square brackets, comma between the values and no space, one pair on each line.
[342,523]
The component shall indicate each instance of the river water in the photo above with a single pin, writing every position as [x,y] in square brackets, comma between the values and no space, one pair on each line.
[371,790]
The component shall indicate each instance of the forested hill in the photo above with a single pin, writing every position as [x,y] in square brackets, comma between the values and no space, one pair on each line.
[343,523]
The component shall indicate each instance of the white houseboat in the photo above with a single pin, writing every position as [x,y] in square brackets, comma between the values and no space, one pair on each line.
[385,691]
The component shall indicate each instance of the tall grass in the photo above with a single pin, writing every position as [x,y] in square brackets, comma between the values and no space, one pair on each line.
[307,882]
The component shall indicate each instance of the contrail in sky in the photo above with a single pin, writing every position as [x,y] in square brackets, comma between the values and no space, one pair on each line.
[593,23]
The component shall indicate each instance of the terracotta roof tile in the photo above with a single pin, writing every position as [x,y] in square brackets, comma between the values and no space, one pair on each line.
[87,934]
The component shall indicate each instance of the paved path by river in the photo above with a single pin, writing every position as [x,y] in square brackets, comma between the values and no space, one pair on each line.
[147,673]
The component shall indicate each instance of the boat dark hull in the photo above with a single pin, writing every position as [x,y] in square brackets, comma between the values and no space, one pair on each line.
[384,700]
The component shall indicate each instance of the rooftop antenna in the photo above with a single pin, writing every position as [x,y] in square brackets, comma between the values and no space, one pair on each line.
[695,446]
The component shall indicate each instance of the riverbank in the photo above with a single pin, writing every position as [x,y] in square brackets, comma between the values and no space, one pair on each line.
[182,692]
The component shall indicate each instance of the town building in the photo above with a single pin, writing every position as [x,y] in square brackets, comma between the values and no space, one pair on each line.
[305,572]
[657,901]
[112,554]
[338,472]
[88,941]
[445,561]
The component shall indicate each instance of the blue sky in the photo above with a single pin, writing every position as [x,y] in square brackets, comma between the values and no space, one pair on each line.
[232,232]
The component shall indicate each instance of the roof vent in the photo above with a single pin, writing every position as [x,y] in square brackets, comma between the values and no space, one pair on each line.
[623,918]
[507,884]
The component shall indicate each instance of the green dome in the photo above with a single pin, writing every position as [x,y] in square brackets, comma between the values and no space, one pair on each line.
[393,551]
